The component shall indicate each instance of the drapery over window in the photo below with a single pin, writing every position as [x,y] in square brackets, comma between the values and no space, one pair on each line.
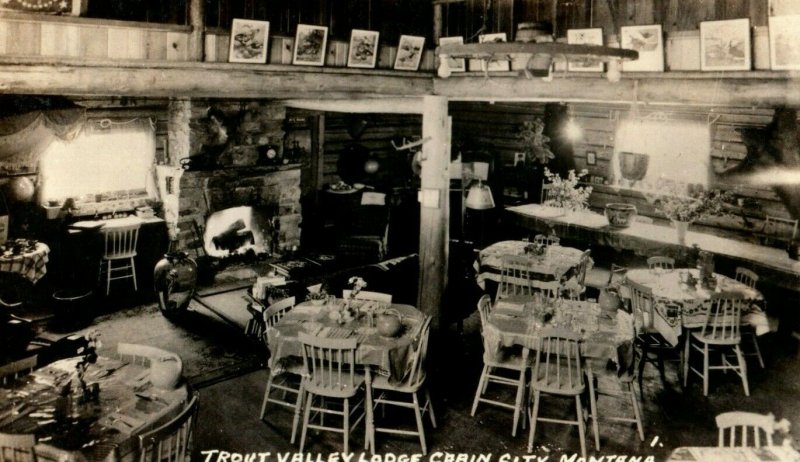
[24,137]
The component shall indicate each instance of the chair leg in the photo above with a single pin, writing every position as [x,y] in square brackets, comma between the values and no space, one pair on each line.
[108,278]
[593,411]
[420,425]
[758,349]
[581,426]
[133,272]
[686,356]
[661,371]
[430,407]
[306,414]
[706,353]
[480,390]
[636,412]
[346,425]
[742,369]
[518,401]
[266,398]
[533,418]
[642,361]
[298,405]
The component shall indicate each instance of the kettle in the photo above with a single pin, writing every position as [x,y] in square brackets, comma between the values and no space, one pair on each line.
[389,323]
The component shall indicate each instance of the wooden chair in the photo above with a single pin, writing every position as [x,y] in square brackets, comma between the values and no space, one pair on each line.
[750,279]
[721,331]
[745,429]
[549,193]
[550,289]
[171,441]
[367,295]
[17,447]
[282,375]
[366,238]
[619,385]
[411,385]
[497,358]
[779,230]
[120,247]
[650,345]
[330,374]
[558,370]
[576,286]
[663,263]
[516,276]
[547,239]
[15,369]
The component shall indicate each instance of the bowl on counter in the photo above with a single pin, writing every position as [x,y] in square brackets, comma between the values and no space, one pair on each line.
[620,215]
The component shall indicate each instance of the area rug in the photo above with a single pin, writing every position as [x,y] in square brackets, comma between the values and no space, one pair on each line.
[211,349]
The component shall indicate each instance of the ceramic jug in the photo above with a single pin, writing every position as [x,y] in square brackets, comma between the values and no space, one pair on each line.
[389,323]
[166,371]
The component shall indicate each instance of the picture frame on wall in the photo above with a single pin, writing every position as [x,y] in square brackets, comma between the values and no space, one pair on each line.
[585,37]
[725,45]
[409,53]
[363,51]
[784,42]
[455,64]
[248,41]
[591,158]
[502,65]
[309,45]
[649,42]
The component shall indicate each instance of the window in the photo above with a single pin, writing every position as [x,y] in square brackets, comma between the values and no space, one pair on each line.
[101,164]
[649,152]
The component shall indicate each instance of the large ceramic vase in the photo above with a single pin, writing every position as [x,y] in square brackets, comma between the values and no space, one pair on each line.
[175,282]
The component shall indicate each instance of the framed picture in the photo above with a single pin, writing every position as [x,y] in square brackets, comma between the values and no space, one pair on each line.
[248,41]
[455,64]
[498,37]
[649,42]
[725,45]
[409,52]
[363,48]
[591,158]
[784,42]
[585,37]
[309,45]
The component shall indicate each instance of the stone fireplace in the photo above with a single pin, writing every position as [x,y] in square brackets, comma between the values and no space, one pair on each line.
[231,202]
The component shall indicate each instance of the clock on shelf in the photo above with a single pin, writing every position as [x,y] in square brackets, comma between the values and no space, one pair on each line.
[270,155]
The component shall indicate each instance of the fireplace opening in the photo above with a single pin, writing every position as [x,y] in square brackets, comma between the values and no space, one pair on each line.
[239,230]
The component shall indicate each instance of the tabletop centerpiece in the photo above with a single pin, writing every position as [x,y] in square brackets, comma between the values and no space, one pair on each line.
[318,297]
[565,192]
[683,207]
[76,389]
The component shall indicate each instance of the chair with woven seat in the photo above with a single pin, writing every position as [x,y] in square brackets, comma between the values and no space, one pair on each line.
[16,369]
[497,358]
[750,279]
[17,447]
[330,375]
[558,370]
[119,258]
[368,295]
[745,429]
[171,441]
[721,331]
[659,262]
[650,345]
[413,382]
[282,374]
[516,276]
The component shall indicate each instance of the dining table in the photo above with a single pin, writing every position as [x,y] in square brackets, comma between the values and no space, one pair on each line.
[734,454]
[70,428]
[556,262]
[25,257]
[678,305]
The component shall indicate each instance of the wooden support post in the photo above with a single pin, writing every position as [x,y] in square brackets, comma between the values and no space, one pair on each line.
[434,233]
[437,23]
[197,36]
[317,151]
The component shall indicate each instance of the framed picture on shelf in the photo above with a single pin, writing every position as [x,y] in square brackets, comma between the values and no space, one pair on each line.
[585,37]
[591,158]
[784,42]
[725,45]
[455,64]
[248,41]
[363,50]
[502,65]
[309,45]
[409,52]
[649,42]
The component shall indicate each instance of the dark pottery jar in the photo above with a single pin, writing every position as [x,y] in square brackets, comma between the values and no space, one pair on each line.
[175,281]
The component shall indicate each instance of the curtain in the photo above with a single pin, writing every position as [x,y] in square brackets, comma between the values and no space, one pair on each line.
[24,137]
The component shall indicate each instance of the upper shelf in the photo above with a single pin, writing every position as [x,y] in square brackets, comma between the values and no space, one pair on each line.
[495,49]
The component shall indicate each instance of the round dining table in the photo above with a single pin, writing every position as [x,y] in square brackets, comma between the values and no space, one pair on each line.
[104,429]
[30,262]
[678,305]
[553,265]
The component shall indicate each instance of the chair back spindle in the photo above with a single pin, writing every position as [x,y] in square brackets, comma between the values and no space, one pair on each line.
[277,311]
[746,277]
[516,276]
[170,442]
[558,366]
[723,319]
[658,262]
[329,364]
[745,429]
[120,241]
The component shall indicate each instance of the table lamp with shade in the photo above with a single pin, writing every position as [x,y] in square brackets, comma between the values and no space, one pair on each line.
[478,195]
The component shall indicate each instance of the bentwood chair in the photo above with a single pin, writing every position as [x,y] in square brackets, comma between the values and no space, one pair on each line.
[17,447]
[558,370]
[721,331]
[120,253]
[284,376]
[750,279]
[745,429]
[495,359]
[170,442]
[659,262]
[330,375]
[411,386]
[16,369]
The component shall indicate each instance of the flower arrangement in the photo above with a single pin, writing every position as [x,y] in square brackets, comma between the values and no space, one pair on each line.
[87,354]
[536,142]
[565,192]
[321,294]
[357,283]
[693,206]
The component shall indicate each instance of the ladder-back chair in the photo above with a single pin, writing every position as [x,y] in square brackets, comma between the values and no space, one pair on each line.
[721,331]
[119,253]
[745,429]
[171,442]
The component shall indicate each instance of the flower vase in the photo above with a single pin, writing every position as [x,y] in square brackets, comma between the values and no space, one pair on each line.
[681,227]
